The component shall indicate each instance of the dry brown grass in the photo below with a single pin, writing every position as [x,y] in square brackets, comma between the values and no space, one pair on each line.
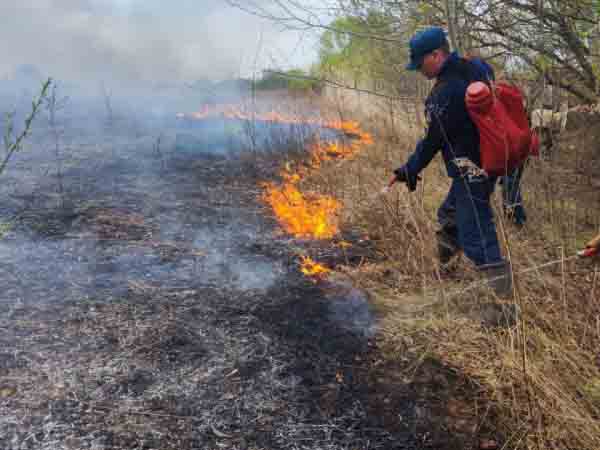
[537,383]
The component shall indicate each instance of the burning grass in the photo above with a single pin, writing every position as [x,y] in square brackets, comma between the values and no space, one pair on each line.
[312,215]
[312,269]
[307,216]
[250,112]
[301,213]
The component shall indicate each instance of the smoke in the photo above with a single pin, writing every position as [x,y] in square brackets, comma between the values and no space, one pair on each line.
[128,42]
[102,150]
[349,307]
[226,264]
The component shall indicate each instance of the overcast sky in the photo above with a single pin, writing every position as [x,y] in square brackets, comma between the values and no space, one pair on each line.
[143,40]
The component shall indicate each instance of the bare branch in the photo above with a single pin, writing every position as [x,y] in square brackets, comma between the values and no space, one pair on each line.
[14,145]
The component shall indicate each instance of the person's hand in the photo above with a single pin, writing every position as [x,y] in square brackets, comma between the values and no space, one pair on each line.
[402,175]
[392,181]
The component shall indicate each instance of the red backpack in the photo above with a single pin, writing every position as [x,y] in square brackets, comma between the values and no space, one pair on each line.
[505,137]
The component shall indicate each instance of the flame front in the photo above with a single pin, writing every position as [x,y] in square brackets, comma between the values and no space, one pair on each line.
[308,216]
[311,268]
[231,111]
[313,215]
[304,215]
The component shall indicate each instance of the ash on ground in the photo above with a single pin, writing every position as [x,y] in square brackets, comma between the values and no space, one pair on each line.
[147,305]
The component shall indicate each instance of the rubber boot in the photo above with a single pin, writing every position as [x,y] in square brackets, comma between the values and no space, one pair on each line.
[499,278]
[447,246]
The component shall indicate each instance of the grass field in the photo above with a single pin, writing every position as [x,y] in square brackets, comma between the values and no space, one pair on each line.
[532,385]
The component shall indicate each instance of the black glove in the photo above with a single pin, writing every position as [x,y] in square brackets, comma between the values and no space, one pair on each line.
[403,176]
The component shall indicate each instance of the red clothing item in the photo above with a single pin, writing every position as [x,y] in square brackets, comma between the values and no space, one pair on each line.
[505,138]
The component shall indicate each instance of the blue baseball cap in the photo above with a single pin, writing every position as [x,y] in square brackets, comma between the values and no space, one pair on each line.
[425,42]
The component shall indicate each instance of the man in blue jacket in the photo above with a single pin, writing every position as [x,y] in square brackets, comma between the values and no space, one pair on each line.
[465,216]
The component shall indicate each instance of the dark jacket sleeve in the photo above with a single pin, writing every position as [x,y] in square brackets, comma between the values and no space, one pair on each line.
[444,109]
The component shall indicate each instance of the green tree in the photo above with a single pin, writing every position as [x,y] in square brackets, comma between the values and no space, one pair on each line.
[350,47]
[294,79]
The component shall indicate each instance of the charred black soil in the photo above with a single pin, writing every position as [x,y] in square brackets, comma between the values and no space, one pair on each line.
[160,309]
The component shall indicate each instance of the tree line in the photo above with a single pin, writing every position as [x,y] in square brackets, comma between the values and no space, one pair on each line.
[556,42]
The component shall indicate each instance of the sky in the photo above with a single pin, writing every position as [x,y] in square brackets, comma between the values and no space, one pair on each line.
[138,41]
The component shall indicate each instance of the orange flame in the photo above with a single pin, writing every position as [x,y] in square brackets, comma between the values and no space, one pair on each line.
[322,152]
[312,216]
[312,269]
[230,111]
[302,215]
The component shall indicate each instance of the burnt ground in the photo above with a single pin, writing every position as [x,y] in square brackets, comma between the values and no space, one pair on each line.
[154,305]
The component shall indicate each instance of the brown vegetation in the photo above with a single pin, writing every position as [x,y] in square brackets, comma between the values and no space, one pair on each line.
[532,385]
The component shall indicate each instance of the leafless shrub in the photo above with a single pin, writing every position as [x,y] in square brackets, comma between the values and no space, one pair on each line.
[14,142]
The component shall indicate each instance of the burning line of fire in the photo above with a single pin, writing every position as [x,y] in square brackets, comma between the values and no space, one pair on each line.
[228,111]
[312,269]
[312,216]
[307,216]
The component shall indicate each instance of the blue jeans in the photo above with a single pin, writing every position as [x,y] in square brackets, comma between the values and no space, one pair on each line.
[467,220]
[512,201]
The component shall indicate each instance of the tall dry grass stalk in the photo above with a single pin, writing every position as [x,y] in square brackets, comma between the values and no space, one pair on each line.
[541,377]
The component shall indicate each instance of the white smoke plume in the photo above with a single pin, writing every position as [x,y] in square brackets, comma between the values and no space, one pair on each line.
[127,42]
